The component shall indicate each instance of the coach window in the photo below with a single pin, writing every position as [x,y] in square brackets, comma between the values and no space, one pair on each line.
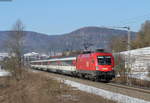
[48,63]
[58,63]
[69,63]
[63,63]
[53,63]
[44,63]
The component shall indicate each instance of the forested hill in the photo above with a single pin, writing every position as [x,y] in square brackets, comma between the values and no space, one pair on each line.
[97,37]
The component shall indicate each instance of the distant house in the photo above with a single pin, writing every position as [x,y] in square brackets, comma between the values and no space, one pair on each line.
[31,56]
[34,56]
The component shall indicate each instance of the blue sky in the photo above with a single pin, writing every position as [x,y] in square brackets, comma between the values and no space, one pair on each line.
[63,16]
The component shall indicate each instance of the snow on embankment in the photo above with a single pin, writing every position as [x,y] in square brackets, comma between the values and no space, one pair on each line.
[104,93]
[140,59]
[3,72]
[139,62]
[141,75]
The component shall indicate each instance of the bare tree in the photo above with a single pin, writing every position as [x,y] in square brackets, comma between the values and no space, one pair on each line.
[118,44]
[15,44]
[143,36]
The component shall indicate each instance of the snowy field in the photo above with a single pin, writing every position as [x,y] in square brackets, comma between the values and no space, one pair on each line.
[140,62]
[140,75]
[3,72]
[3,55]
[139,59]
[120,98]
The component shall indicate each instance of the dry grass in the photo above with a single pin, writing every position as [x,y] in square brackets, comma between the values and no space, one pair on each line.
[36,88]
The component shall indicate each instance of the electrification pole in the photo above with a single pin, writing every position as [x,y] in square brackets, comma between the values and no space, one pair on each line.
[128,50]
[129,43]
[129,62]
[129,39]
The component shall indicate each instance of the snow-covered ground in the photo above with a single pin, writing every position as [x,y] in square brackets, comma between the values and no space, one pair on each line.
[139,51]
[140,75]
[139,59]
[139,62]
[120,98]
[3,72]
[3,55]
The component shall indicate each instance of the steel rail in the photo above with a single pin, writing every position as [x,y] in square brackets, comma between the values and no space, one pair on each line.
[129,87]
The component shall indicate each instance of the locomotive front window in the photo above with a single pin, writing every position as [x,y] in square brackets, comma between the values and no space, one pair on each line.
[104,60]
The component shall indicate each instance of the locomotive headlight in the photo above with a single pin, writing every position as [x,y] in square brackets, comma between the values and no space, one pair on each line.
[97,67]
[104,68]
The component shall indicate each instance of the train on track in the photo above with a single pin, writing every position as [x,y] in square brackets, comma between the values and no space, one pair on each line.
[92,65]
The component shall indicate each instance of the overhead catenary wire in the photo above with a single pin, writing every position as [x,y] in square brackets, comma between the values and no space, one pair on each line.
[131,22]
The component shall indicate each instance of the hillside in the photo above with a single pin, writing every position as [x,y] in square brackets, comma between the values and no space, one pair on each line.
[37,42]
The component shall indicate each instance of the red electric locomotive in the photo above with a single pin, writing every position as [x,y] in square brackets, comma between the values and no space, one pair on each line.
[96,65]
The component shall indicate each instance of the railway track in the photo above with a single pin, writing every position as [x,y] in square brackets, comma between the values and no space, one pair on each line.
[130,87]
[144,90]
[117,88]
[113,84]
